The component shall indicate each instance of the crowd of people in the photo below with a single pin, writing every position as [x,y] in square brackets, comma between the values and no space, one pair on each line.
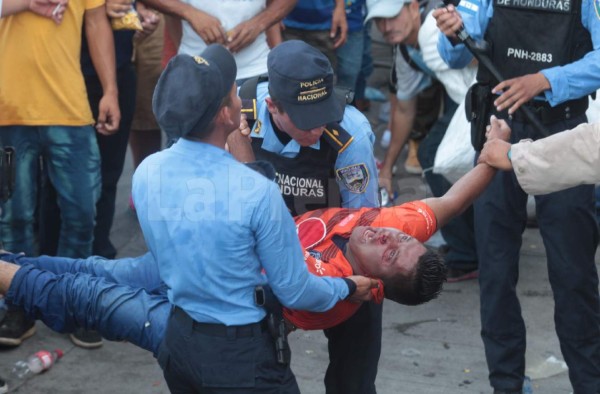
[270,164]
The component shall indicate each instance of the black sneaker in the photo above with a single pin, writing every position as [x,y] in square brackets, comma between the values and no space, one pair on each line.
[87,339]
[15,327]
[3,386]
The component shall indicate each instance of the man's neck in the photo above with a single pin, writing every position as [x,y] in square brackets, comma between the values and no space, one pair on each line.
[344,245]
[217,137]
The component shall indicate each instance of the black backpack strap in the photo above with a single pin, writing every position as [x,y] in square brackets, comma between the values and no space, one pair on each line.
[248,95]
[337,137]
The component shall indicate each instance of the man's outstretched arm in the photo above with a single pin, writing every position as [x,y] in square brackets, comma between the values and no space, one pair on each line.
[462,194]
[540,165]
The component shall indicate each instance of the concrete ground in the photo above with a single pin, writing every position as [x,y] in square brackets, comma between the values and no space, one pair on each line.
[430,349]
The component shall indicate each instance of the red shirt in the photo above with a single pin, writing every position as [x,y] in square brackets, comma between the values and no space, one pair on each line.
[316,230]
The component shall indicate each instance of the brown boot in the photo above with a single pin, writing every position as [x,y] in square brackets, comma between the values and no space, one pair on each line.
[412,165]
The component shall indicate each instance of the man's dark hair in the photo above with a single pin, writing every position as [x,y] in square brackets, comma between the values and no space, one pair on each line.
[421,285]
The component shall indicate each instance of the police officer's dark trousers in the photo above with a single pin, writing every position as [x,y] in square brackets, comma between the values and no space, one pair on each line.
[354,349]
[216,359]
[570,234]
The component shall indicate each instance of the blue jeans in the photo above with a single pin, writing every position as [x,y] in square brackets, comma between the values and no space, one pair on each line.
[122,299]
[73,164]
[112,153]
[349,60]
[366,68]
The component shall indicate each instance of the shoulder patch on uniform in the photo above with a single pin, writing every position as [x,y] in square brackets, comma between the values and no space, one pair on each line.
[597,8]
[355,177]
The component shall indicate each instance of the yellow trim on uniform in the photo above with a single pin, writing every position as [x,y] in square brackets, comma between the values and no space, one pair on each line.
[251,110]
[343,148]
[333,136]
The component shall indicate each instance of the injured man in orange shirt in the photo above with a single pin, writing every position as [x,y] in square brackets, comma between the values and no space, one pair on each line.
[125,299]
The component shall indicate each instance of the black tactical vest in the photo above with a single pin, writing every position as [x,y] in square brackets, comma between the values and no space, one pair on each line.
[307,181]
[526,36]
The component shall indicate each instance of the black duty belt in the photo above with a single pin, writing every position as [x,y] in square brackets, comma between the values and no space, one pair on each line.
[221,330]
[547,114]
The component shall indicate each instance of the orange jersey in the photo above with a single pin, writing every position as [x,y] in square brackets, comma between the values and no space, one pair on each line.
[316,230]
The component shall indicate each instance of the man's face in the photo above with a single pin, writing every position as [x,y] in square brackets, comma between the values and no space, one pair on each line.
[382,252]
[404,27]
[285,124]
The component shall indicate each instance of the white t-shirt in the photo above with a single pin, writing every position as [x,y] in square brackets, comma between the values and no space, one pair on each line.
[252,60]
[0,8]
[412,82]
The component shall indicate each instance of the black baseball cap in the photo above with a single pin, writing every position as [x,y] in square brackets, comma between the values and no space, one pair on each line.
[301,79]
[190,90]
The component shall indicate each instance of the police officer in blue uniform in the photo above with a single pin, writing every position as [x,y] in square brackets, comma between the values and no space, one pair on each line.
[545,49]
[217,338]
[323,155]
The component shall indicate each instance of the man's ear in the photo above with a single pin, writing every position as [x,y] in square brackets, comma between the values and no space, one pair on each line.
[414,7]
[271,107]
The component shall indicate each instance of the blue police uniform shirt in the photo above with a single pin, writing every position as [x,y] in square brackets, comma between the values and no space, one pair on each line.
[568,82]
[359,152]
[213,225]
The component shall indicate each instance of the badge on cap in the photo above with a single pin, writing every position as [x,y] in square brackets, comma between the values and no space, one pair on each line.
[355,177]
[200,60]
[312,90]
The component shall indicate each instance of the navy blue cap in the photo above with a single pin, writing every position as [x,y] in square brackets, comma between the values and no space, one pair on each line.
[301,79]
[190,90]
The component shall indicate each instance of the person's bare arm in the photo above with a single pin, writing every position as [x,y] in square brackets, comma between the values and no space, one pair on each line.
[462,194]
[206,26]
[403,115]
[339,24]
[274,36]
[246,32]
[102,51]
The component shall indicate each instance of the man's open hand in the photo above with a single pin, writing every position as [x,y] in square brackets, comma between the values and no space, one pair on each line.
[517,91]
[363,288]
